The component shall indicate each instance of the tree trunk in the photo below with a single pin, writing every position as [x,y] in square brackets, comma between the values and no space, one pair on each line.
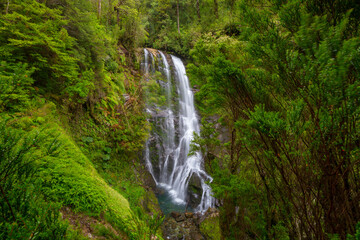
[216,9]
[7,7]
[110,12]
[178,17]
[99,9]
[118,18]
[198,9]
[8,203]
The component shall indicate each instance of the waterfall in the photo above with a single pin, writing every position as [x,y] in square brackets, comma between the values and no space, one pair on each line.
[175,122]
[169,144]
[147,150]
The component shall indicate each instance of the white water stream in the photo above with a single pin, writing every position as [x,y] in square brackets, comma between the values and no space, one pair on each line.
[178,123]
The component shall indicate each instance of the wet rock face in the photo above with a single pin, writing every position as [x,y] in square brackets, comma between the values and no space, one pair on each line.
[154,149]
[157,143]
[195,190]
[149,181]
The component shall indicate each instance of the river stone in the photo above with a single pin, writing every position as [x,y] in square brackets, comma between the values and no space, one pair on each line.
[187,228]
[189,215]
[175,214]
[180,218]
[196,236]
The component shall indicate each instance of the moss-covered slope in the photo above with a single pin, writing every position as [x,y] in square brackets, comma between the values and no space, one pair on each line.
[70,178]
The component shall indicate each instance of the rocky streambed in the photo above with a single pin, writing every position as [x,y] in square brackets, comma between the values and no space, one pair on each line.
[191,226]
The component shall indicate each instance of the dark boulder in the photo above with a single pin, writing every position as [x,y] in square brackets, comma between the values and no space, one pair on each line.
[175,214]
[195,190]
[180,218]
[196,236]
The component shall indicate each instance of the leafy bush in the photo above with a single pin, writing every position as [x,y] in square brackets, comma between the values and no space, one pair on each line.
[15,86]
[35,34]
[24,212]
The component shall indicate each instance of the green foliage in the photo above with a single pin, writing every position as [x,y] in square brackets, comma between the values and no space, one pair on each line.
[15,87]
[24,212]
[174,42]
[87,139]
[66,177]
[93,43]
[206,143]
[194,21]
[280,231]
[67,57]
[77,56]
[215,74]
[268,123]
[153,223]
[130,137]
[103,231]
[153,91]
[280,76]
[239,211]
[80,186]
[287,85]
[356,236]
[33,33]
[211,228]
[83,86]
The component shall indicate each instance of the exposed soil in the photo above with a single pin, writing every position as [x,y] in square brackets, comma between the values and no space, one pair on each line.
[86,225]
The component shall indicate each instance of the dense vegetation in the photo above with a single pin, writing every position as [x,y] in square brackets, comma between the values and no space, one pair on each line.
[278,89]
[71,122]
[283,78]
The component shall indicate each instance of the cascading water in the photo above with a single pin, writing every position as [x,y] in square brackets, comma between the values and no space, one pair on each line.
[147,150]
[174,125]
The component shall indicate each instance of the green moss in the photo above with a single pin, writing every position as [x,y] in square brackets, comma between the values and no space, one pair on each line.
[70,178]
[210,227]
[103,231]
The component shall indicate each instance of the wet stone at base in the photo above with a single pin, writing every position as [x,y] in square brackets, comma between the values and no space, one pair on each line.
[185,229]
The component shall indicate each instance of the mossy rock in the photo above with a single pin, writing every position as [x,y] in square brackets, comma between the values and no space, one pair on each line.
[210,227]
[70,178]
